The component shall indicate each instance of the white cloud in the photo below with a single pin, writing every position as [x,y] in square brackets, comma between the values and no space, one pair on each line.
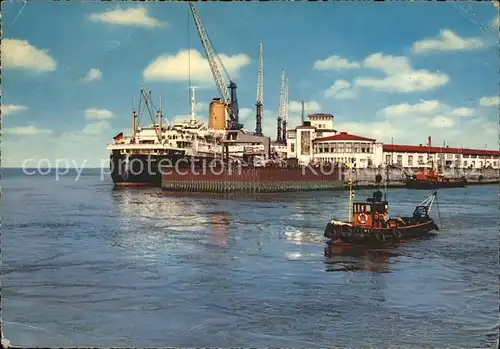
[84,147]
[490,101]
[442,122]
[400,76]
[177,67]
[91,132]
[468,132]
[134,16]
[69,148]
[341,89]
[201,106]
[201,114]
[20,54]
[335,63]
[269,121]
[309,107]
[92,75]
[7,109]
[389,64]
[182,117]
[401,110]
[462,112]
[96,128]
[447,40]
[98,114]
[412,123]
[423,110]
[379,130]
[246,113]
[405,82]
[28,130]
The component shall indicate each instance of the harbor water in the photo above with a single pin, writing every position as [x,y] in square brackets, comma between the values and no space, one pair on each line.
[87,265]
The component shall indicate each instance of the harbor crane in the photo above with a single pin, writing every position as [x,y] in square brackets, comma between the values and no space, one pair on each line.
[285,113]
[228,96]
[260,87]
[281,107]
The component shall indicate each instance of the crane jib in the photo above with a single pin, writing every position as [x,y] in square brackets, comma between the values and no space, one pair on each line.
[228,98]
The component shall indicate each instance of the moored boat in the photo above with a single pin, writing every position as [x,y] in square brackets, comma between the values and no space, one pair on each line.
[430,179]
[370,224]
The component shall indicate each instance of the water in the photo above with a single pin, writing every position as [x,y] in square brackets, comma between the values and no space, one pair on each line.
[86,265]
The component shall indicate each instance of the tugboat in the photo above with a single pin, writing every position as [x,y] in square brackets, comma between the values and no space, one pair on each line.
[369,223]
[432,178]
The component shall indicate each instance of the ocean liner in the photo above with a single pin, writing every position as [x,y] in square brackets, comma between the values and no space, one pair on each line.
[140,158]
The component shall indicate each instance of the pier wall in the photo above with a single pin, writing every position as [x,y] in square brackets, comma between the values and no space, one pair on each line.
[276,179]
[366,177]
[253,180]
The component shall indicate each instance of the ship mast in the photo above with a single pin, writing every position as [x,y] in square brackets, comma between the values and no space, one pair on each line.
[193,104]
[150,107]
[160,123]
[134,125]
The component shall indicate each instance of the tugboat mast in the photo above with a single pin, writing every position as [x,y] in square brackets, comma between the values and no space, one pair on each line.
[351,192]
[386,181]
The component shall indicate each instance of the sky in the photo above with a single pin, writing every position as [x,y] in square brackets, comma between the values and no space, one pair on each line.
[396,72]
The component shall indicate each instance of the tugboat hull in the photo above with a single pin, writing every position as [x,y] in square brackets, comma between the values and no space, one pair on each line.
[340,233]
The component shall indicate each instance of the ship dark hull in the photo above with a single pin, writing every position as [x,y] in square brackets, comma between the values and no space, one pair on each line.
[145,170]
[430,184]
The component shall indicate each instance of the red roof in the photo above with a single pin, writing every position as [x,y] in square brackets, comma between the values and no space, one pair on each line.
[426,149]
[344,136]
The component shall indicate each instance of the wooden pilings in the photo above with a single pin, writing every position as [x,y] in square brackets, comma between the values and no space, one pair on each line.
[208,186]
[251,180]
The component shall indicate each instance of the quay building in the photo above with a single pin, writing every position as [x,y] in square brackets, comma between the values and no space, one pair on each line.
[316,141]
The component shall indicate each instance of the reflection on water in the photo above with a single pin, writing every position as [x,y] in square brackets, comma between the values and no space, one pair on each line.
[302,237]
[151,204]
[219,222]
[169,218]
[357,258]
[346,258]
